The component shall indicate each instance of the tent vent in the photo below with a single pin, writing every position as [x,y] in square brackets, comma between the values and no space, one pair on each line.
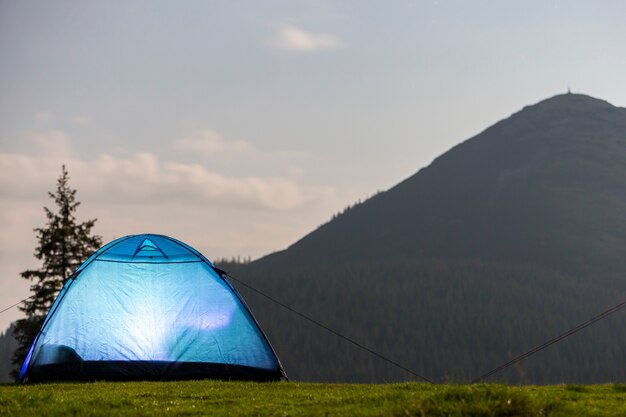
[149,249]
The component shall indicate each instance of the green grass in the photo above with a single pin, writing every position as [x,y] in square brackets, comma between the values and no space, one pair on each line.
[219,398]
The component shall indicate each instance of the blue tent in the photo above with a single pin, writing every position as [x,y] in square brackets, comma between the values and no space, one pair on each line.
[149,307]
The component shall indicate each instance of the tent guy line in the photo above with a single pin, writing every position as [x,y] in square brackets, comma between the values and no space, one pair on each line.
[16,304]
[552,341]
[317,323]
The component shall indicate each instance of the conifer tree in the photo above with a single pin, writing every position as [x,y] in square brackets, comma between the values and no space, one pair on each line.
[64,244]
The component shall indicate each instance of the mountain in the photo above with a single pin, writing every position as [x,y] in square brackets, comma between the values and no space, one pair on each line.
[504,241]
[544,183]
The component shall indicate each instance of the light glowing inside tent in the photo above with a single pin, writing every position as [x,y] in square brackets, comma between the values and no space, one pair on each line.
[145,311]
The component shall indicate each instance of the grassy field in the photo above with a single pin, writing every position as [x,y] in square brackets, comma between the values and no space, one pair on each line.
[218,398]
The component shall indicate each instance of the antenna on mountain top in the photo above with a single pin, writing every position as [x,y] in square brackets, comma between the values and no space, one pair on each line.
[569,90]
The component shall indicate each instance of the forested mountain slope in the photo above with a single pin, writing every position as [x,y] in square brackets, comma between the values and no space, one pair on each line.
[502,242]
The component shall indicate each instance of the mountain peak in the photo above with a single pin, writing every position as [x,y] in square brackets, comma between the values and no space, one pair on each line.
[571,102]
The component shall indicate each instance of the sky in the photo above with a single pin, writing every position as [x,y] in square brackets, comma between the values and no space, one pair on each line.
[240,126]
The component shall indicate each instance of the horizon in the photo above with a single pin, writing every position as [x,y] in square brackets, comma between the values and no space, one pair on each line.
[145,104]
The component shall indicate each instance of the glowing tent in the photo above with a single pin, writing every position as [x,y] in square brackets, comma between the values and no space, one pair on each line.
[149,307]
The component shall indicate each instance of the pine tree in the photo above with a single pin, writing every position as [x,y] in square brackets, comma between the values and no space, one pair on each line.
[64,245]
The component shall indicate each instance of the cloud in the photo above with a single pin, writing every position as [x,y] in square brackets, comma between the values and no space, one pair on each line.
[225,155]
[208,142]
[144,177]
[294,39]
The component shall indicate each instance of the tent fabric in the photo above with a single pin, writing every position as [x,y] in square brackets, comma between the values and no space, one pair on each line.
[149,307]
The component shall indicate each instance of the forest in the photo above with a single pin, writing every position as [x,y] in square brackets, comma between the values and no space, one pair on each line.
[449,321]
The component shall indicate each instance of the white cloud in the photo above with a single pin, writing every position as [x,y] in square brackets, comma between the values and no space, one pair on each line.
[145,177]
[228,155]
[208,142]
[294,39]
